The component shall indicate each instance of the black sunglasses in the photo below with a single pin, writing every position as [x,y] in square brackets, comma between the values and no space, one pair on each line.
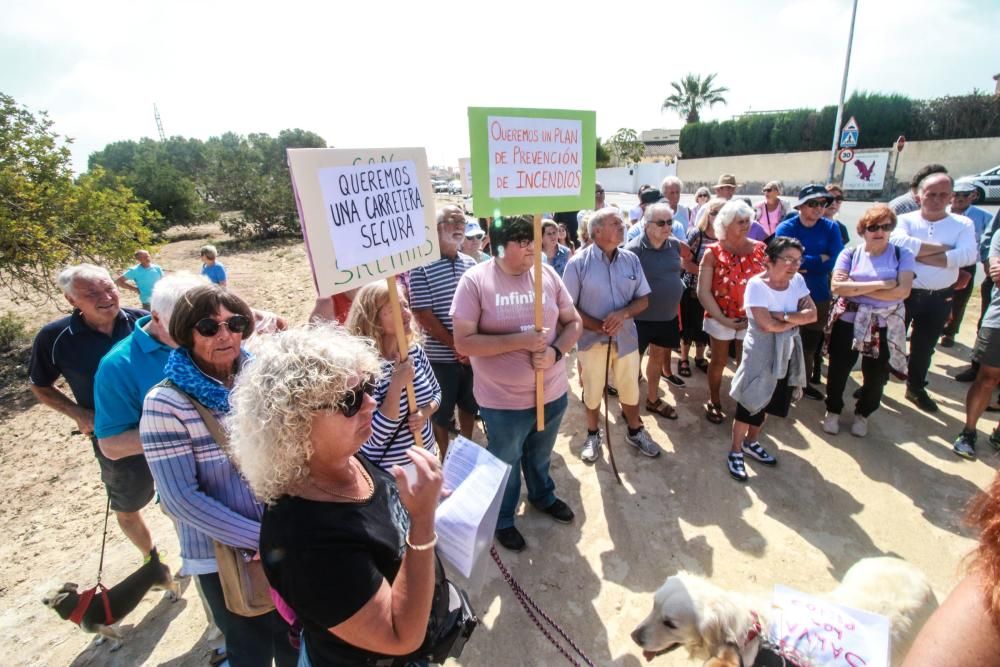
[661,223]
[208,327]
[817,203]
[884,227]
[353,400]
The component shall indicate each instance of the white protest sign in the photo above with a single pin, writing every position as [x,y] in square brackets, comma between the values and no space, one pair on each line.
[534,157]
[465,173]
[367,214]
[825,633]
[866,171]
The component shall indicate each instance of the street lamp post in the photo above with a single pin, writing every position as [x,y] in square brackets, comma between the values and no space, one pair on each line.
[843,91]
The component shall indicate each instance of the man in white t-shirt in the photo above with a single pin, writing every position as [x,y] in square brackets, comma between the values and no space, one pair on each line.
[942,243]
[671,188]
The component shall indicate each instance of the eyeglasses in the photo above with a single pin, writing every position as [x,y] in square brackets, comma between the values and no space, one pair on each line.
[661,223]
[816,203]
[768,190]
[208,327]
[598,192]
[964,194]
[353,400]
[521,243]
[837,200]
[791,260]
[884,227]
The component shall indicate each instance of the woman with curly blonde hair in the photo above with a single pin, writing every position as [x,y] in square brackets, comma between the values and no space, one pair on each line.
[347,545]
[394,427]
[965,630]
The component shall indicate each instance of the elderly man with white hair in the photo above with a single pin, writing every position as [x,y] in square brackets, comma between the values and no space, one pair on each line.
[609,289]
[671,188]
[72,347]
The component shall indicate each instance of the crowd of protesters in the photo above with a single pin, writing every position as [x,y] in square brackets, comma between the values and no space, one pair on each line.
[766,290]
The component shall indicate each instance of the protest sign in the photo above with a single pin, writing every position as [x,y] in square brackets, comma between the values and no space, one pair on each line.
[529,161]
[367,214]
[810,630]
[532,160]
[465,174]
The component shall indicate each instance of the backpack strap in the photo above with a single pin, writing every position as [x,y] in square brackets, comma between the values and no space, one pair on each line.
[211,423]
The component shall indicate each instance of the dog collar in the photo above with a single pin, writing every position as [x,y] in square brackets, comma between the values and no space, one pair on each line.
[755,629]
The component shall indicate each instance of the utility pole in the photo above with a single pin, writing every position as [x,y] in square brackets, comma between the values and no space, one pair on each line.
[159,124]
[843,91]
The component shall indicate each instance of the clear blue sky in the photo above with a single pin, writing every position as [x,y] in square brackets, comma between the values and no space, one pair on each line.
[396,73]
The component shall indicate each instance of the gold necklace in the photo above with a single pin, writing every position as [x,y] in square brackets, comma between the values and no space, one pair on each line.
[357,499]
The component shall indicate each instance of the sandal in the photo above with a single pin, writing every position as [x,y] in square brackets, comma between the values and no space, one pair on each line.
[713,413]
[701,364]
[684,368]
[661,408]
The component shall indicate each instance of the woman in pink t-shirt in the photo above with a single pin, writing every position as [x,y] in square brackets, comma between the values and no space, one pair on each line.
[493,313]
[772,210]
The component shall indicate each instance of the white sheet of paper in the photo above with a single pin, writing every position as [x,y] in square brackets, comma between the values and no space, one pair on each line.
[467,518]
[534,157]
[828,633]
[372,210]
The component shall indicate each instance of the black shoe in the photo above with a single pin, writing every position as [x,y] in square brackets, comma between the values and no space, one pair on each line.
[857,392]
[612,391]
[968,375]
[920,398]
[812,392]
[947,341]
[511,539]
[559,511]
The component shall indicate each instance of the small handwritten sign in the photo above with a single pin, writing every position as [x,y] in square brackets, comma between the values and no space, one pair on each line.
[531,160]
[366,214]
[823,633]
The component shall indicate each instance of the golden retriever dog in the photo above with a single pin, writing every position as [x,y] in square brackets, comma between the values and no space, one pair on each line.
[709,622]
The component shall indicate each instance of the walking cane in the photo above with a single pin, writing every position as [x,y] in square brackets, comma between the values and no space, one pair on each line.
[607,431]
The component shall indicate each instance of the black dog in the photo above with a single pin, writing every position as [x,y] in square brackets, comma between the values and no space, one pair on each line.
[122,599]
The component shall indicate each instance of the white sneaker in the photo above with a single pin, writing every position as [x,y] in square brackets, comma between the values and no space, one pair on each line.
[831,423]
[591,448]
[860,426]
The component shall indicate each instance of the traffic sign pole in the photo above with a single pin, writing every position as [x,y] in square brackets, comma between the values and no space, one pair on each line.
[843,91]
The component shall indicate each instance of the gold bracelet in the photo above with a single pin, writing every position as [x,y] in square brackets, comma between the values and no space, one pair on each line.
[422,547]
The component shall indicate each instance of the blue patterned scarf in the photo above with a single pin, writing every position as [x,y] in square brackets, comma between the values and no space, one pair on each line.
[183,372]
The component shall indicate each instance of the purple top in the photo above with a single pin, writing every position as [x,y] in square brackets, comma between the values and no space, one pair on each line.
[757,231]
[862,267]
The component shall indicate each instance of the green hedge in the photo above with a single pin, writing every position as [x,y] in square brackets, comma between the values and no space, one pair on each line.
[882,119]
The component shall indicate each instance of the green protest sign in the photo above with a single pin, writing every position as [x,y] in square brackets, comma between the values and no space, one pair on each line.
[531,160]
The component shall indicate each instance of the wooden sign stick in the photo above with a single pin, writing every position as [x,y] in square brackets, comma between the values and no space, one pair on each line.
[539,374]
[402,343]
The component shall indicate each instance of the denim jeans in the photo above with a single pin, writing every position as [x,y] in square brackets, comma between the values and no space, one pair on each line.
[250,641]
[514,440]
[304,660]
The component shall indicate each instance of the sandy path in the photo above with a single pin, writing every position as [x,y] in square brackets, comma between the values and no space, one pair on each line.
[829,502]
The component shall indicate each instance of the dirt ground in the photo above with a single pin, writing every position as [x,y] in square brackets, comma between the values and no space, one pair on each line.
[829,502]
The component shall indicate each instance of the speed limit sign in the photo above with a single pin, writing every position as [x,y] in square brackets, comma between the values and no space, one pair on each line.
[845,155]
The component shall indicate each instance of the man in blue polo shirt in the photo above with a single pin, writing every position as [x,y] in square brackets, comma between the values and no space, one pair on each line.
[823,243]
[144,275]
[72,347]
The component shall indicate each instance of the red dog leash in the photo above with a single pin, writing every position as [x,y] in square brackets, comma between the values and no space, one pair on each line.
[88,595]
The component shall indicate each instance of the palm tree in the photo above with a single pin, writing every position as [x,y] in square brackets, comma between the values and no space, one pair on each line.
[691,94]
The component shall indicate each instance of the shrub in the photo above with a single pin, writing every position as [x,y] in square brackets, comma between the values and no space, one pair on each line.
[13,331]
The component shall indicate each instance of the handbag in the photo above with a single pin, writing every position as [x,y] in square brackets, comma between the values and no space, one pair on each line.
[244,584]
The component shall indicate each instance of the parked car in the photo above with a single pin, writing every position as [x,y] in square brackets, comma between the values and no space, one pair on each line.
[440,186]
[455,188]
[987,184]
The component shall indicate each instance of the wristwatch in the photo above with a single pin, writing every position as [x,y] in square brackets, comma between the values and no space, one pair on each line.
[785,317]
[558,353]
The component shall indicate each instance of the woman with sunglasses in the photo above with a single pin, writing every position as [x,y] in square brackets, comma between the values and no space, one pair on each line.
[870,282]
[349,547]
[199,486]
[394,428]
[770,212]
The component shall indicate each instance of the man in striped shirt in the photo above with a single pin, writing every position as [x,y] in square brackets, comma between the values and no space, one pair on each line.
[432,289]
